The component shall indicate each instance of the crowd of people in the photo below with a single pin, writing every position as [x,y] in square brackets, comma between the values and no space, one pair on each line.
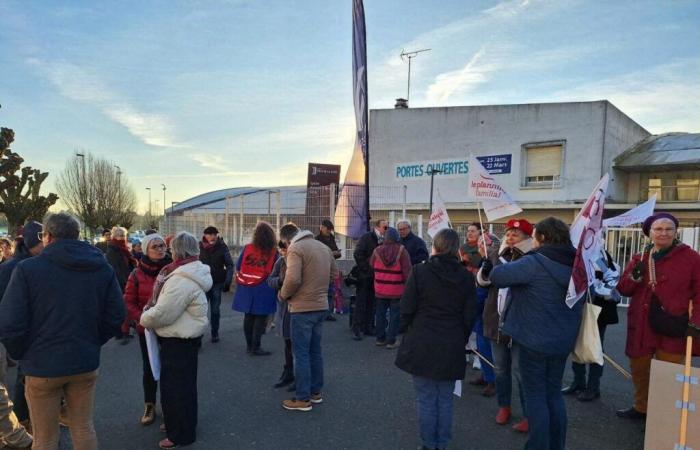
[63,299]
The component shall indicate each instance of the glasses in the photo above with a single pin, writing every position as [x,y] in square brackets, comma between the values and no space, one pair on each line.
[664,230]
[41,235]
[158,247]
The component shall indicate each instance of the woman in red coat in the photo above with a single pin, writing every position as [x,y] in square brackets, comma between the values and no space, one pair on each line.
[138,291]
[669,271]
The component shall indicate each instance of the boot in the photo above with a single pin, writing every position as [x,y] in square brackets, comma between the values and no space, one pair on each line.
[149,414]
[588,395]
[489,390]
[503,415]
[574,388]
[522,427]
[286,379]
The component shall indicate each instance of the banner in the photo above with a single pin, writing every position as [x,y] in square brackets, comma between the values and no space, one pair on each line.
[351,212]
[585,236]
[484,187]
[634,215]
[439,219]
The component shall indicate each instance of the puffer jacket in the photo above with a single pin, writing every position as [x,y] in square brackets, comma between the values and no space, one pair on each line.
[391,264]
[139,288]
[493,322]
[181,308]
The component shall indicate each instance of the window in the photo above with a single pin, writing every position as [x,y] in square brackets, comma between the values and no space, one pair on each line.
[654,188]
[688,190]
[543,163]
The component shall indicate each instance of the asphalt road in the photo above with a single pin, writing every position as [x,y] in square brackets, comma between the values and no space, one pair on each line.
[368,403]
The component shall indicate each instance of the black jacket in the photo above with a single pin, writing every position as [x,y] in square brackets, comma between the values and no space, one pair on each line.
[122,267]
[363,251]
[438,310]
[59,309]
[416,248]
[330,243]
[219,261]
[6,268]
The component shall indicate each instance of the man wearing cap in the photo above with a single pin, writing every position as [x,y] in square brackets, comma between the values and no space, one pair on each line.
[326,236]
[661,282]
[214,252]
[28,244]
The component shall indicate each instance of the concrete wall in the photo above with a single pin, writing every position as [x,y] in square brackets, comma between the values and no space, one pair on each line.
[439,134]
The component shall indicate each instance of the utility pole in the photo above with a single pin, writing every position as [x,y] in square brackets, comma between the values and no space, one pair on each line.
[83,191]
[410,56]
[149,202]
[432,173]
[165,209]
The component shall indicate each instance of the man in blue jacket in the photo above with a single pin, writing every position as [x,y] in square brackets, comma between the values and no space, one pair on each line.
[414,245]
[58,310]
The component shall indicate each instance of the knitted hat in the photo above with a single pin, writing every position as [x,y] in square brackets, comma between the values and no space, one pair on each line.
[30,234]
[520,224]
[391,235]
[148,239]
[646,226]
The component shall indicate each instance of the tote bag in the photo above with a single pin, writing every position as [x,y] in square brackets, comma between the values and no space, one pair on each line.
[588,348]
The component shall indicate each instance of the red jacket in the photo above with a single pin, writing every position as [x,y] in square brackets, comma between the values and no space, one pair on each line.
[678,282]
[392,266]
[137,293]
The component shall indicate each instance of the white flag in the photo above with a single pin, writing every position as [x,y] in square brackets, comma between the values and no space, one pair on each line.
[484,187]
[635,215]
[585,236]
[438,219]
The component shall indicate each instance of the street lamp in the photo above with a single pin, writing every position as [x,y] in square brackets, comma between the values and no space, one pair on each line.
[165,209]
[432,173]
[83,191]
[149,201]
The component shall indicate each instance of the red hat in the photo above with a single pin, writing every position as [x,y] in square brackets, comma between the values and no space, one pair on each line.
[520,224]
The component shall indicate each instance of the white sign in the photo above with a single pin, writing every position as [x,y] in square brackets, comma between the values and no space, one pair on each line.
[439,219]
[634,215]
[153,352]
[449,168]
[484,187]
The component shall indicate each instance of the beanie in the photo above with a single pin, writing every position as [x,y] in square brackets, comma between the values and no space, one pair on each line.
[148,239]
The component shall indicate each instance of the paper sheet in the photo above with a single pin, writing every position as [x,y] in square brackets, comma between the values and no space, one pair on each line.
[153,353]
[458,388]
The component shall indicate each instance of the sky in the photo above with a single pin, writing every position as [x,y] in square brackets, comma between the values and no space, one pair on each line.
[201,95]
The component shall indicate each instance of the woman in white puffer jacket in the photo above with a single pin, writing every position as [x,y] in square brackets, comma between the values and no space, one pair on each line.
[178,315]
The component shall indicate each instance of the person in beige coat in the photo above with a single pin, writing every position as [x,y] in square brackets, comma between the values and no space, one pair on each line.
[178,315]
[310,270]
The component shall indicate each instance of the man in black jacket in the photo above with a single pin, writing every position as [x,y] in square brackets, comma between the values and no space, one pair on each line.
[214,252]
[326,236]
[414,245]
[364,303]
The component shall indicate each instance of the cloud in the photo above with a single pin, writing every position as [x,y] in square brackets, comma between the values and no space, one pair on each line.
[477,71]
[78,84]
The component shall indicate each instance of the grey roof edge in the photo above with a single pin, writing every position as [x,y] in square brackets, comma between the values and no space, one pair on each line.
[646,145]
[504,104]
[210,197]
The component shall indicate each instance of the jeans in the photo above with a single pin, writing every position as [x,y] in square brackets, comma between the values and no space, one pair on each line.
[178,387]
[541,377]
[483,346]
[306,344]
[21,409]
[434,400]
[44,399]
[214,298]
[594,370]
[506,367]
[11,432]
[150,386]
[331,299]
[254,327]
[383,332]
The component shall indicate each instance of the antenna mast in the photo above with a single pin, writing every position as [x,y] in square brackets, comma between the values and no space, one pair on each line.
[410,56]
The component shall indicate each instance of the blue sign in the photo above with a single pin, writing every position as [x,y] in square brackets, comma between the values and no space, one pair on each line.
[421,169]
[496,164]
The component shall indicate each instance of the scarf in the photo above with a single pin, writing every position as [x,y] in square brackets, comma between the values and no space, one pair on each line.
[163,274]
[124,250]
[151,267]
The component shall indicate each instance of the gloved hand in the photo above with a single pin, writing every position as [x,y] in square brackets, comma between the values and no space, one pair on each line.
[693,331]
[638,271]
[486,268]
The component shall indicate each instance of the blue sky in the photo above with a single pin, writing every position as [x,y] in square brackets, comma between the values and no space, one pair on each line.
[203,95]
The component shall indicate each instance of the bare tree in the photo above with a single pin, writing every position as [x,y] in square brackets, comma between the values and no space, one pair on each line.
[97,192]
[20,193]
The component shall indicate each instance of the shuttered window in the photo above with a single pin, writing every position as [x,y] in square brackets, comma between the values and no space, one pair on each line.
[543,164]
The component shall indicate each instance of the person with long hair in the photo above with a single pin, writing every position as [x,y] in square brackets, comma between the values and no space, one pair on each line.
[253,296]
[6,250]
[138,292]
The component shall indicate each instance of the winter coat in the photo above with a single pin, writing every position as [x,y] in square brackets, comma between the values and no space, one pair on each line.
[139,288]
[363,251]
[6,269]
[391,266]
[678,282]
[260,299]
[311,269]
[330,243]
[438,309]
[416,248]
[60,308]
[122,267]
[181,308]
[537,316]
[492,320]
[275,281]
[219,260]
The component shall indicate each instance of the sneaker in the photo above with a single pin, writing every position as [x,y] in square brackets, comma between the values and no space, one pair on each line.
[522,427]
[588,395]
[316,398]
[631,413]
[380,343]
[296,405]
[260,352]
[357,336]
[331,318]
[503,415]
[574,388]
[393,345]
[167,443]
[149,414]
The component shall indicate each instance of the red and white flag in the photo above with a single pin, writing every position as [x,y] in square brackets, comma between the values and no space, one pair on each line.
[585,236]
[438,218]
[484,187]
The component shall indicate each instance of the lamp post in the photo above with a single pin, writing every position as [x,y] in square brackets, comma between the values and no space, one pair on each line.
[432,173]
[165,208]
[83,191]
[149,202]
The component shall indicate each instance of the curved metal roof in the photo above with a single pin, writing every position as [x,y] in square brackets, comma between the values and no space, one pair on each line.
[660,151]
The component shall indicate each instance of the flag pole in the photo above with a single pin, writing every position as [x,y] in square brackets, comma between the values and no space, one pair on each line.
[686,386]
[482,358]
[481,223]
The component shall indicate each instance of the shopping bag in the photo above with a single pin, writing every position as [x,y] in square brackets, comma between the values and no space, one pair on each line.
[588,348]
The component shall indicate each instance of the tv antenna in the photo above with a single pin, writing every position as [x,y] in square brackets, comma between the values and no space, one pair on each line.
[410,56]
